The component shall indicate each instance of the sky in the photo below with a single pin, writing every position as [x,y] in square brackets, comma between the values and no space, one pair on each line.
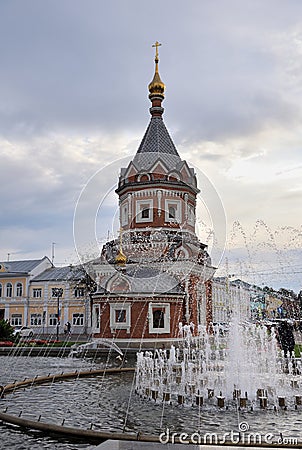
[74,107]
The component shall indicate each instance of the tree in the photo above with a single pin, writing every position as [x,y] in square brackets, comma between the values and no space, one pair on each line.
[6,331]
[290,302]
[300,302]
[288,293]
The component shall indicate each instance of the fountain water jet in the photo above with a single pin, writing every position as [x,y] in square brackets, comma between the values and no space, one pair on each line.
[243,369]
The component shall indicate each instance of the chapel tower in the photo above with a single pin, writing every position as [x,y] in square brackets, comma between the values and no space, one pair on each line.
[157,274]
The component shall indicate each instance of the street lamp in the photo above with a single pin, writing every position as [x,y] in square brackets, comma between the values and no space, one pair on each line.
[58,292]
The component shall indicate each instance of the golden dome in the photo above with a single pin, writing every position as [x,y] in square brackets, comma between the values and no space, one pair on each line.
[156,86]
[120,258]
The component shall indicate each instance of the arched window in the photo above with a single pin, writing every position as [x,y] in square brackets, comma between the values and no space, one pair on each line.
[19,290]
[9,290]
[143,177]
[0,289]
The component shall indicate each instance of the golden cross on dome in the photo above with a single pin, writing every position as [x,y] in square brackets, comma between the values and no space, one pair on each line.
[156,45]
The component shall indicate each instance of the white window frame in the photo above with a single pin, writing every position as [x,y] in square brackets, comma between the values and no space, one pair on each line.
[9,290]
[37,291]
[19,289]
[139,209]
[120,325]
[54,292]
[53,319]
[35,320]
[16,320]
[124,213]
[79,292]
[78,317]
[177,205]
[191,214]
[166,307]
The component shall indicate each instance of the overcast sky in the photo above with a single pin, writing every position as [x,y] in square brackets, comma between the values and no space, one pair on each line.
[73,98]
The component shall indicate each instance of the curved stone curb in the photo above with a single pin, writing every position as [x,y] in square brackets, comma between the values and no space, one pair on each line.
[88,435]
[91,435]
[50,378]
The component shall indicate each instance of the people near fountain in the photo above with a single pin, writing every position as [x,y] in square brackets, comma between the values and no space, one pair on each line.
[67,328]
[286,338]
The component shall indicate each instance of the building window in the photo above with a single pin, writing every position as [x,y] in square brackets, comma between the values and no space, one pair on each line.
[125,214]
[9,290]
[35,319]
[144,210]
[78,319]
[19,290]
[0,290]
[53,319]
[120,316]
[56,292]
[16,320]
[79,292]
[159,318]
[191,214]
[37,292]
[173,211]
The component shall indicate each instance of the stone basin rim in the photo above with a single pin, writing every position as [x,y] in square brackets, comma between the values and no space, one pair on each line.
[86,434]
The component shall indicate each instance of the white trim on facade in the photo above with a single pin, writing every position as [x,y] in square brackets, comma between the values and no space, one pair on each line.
[176,204]
[140,206]
[165,307]
[117,325]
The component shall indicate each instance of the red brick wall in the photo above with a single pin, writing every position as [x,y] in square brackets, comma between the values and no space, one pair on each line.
[139,319]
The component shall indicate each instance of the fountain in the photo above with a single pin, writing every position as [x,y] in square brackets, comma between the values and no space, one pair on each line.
[212,384]
[243,368]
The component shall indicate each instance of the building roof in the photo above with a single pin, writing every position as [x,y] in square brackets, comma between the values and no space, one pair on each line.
[15,267]
[144,280]
[156,144]
[68,273]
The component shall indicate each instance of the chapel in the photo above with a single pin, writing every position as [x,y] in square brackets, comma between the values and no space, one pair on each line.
[157,274]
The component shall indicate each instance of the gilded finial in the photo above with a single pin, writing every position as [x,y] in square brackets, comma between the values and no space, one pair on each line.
[121,258]
[156,87]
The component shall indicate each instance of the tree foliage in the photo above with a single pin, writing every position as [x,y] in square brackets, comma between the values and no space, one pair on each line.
[6,331]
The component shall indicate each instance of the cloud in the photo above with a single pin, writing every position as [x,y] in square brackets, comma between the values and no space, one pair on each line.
[66,65]
[41,180]
[74,98]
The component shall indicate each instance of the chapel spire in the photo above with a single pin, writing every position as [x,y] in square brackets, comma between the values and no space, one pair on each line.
[156,88]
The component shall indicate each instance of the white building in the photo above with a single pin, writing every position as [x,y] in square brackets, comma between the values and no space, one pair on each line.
[229,297]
